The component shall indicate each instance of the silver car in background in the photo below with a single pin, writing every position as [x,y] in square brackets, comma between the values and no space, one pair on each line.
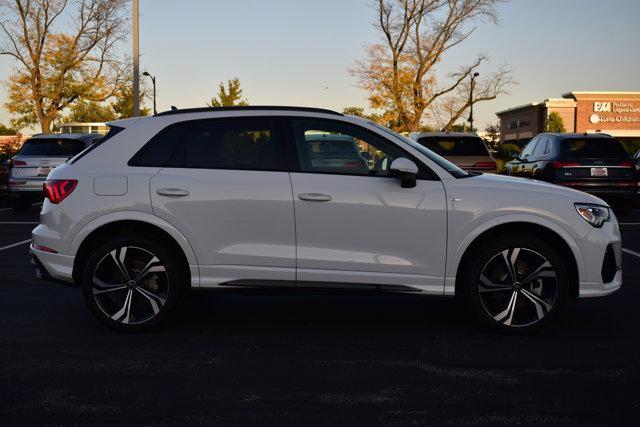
[35,159]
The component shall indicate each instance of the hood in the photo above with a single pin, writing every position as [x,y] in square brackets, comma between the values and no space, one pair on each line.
[531,185]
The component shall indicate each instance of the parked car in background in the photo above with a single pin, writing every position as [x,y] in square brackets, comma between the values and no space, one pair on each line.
[231,198]
[334,152]
[466,150]
[5,160]
[35,159]
[593,163]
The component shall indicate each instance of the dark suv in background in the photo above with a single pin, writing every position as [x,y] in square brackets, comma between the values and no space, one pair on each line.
[594,163]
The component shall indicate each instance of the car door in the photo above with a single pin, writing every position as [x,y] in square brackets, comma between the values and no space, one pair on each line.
[226,189]
[356,225]
[539,157]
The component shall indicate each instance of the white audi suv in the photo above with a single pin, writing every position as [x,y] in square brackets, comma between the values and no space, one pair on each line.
[239,198]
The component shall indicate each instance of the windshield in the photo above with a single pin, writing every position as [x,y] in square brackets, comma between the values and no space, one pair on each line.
[455,146]
[583,148]
[440,161]
[51,147]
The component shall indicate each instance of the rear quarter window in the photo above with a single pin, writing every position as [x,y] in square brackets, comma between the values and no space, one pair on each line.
[455,146]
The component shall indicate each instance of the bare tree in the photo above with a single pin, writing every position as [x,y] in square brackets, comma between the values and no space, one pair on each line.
[399,72]
[54,69]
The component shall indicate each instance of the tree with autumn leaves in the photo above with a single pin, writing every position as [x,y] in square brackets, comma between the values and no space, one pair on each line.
[54,69]
[399,72]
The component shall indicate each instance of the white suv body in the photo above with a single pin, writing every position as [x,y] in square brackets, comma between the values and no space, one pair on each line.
[289,225]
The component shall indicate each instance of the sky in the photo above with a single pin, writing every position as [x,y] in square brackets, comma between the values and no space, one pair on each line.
[297,52]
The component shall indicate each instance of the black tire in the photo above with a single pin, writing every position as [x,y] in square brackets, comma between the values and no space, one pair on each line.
[20,206]
[487,296]
[165,284]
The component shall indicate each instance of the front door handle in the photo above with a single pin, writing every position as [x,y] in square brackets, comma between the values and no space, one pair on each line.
[172,192]
[314,197]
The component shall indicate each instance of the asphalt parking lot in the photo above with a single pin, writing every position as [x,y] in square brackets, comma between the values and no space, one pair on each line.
[311,359]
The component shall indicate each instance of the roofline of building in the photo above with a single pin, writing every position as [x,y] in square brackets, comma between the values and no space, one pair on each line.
[571,94]
[519,107]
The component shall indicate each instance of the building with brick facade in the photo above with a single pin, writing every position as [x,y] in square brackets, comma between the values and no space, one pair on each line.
[614,113]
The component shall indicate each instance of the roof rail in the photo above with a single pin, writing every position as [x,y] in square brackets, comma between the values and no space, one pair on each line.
[246,108]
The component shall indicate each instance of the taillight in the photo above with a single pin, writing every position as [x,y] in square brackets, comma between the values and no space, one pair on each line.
[44,249]
[352,165]
[559,164]
[485,165]
[18,163]
[56,190]
[628,164]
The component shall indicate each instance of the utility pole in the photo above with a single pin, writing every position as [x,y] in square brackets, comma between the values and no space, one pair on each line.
[473,84]
[136,61]
[153,80]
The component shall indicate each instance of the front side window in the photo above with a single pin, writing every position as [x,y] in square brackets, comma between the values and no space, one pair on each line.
[331,147]
[246,144]
[531,146]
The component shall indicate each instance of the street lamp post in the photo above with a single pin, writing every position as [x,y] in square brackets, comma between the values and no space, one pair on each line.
[153,81]
[136,61]
[473,84]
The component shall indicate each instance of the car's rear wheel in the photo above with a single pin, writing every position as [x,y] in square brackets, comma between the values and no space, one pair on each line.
[133,283]
[515,283]
[19,205]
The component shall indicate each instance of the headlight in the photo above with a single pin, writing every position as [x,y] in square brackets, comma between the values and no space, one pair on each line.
[595,215]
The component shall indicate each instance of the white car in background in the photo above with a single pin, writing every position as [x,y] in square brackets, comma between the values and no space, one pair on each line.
[229,198]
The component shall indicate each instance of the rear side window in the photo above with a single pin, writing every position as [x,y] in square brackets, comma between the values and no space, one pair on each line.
[582,148]
[51,147]
[455,146]
[245,144]
[158,150]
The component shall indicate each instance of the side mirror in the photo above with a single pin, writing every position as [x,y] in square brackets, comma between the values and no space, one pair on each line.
[406,170]
[514,155]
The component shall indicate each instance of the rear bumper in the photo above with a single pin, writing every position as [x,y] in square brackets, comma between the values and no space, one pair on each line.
[630,192]
[51,267]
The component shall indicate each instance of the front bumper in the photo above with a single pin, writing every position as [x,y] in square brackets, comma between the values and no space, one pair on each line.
[602,252]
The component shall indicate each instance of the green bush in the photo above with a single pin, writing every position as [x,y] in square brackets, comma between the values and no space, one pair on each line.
[504,150]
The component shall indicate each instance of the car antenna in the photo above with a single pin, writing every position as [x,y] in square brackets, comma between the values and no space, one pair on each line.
[174,108]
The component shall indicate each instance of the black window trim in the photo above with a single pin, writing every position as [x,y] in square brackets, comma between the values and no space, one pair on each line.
[293,161]
[279,135]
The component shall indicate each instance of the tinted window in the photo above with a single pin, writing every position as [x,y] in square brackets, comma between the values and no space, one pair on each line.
[580,148]
[332,147]
[227,144]
[455,146]
[52,147]
[445,164]
[157,152]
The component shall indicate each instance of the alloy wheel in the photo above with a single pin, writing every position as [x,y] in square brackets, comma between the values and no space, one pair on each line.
[518,287]
[130,285]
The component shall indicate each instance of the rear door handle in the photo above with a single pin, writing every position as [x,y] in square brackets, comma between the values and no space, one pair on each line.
[172,192]
[314,197]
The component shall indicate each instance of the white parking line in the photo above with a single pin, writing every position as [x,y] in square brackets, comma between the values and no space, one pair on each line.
[631,252]
[18,222]
[6,209]
[13,245]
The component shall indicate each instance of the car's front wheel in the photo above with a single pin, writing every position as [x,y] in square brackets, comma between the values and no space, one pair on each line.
[515,283]
[133,283]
